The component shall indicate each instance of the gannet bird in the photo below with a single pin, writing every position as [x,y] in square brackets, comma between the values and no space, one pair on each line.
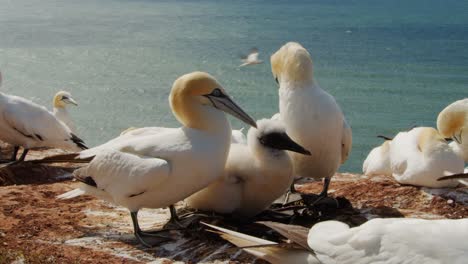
[60,102]
[256,174]
[236,135]
[29,125]
[421,156]
[160,169]
[251,58]
[380,240]
[312,117]
[378,161]
[452,122]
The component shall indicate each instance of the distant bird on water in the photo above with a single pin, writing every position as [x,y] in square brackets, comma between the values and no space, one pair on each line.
[251,58]
[312,116]
[61,100]
[26,124]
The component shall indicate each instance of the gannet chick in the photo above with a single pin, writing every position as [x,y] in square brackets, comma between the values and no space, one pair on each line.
[29,125]
[380,240]
[256,174]
[157,170]
[251,58]
[421,156]
[60,102]
[312,117]
[452,122]
[378,161]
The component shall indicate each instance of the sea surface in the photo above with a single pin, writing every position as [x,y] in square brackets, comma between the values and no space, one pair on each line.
[391,65]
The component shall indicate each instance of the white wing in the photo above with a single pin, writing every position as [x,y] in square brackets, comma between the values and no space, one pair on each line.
[36,122]
[252,57]
[346,141]
[124,177]
[392,240]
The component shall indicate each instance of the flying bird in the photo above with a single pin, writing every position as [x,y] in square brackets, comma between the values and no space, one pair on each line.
[251,58]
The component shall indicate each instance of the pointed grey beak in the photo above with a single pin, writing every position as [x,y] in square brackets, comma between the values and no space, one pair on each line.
[458,138]
[70,100]
[226,104]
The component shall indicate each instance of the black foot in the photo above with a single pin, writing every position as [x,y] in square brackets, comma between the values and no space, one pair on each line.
[150,240]
[314,200]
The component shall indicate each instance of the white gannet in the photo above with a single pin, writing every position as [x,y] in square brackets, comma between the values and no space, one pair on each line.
[256,174]
[421,156]
[60,102]
[29,125]
[251,58]
[312,117]
[159,169]
[237,135]
[378,161]
[380,240]
[452,122]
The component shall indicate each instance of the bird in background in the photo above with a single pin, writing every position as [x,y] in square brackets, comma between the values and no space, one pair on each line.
[421,156]
[452,122]
[28,125]
[251,58]
[377,161]
[379,240]
[312,117]
[160,169]
[61,101]
[256,174]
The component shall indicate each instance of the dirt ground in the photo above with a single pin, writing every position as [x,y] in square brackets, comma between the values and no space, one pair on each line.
[35,227]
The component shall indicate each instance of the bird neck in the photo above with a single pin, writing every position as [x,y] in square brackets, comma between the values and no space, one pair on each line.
[60,110]
[202,117]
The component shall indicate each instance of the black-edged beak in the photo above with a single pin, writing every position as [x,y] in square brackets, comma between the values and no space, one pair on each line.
[282,141]
[69,100]
[224,103]
[458,138]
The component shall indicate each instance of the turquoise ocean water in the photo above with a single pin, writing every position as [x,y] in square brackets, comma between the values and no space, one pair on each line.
[390,64]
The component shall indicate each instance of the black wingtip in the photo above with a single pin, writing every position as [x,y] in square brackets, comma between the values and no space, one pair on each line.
[454,177]
[78,141]
[384,137]
[87,180]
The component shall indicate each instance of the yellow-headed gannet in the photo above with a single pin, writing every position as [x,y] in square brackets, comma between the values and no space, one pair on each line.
[256,174]
[380,240]
[251,58]
[421,156]
[159,169]
[60,102]
[452,122]
[29,125]
[312,117]
[378,161]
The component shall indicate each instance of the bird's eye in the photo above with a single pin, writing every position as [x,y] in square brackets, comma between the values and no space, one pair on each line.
[276,79]
[217,93]
[64,97]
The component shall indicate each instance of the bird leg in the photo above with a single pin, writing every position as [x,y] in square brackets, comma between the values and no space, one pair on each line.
[311,200]
[145,238]
[15,152]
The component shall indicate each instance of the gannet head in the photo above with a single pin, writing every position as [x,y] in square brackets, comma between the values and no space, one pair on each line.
[428,138]
[194,94]
[62,98]
[292,63]
[271,135]
[452,122]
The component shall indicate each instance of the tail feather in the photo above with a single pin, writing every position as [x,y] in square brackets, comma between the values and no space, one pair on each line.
[264,249]
[63,158]
[78,141]
[71,194]
[454,177]
[295,233]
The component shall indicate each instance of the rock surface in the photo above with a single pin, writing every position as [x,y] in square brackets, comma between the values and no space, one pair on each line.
[37,228]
